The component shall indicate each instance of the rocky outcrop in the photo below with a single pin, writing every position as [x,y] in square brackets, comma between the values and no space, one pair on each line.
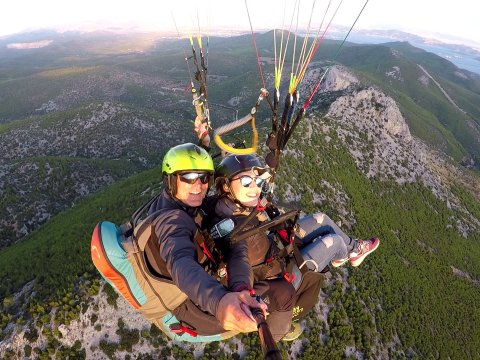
[378,138]
[377,134]
[395,74]
[338,78]
[371,109]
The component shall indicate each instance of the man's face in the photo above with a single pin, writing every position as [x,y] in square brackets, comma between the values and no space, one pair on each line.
[191,188]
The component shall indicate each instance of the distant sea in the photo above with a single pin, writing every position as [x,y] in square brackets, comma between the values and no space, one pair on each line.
[461,59]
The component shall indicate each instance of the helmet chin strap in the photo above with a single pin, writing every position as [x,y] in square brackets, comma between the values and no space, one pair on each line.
[170,185]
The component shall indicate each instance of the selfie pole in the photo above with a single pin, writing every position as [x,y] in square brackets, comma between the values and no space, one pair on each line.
[269,347]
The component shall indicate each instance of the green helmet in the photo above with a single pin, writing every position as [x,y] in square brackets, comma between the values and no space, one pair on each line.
[186,157]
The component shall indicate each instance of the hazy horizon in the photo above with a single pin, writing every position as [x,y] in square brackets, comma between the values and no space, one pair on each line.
[224,30]
[424,18]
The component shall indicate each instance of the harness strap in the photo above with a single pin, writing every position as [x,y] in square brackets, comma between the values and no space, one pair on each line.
[291,249]
[129,245]
[144,237]
[299,260]
[137,214]
[202,251]
[289,277]
[144,230]
[204,243]
[262,203]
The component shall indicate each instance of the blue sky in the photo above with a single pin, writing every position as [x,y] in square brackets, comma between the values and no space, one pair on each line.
[423,17]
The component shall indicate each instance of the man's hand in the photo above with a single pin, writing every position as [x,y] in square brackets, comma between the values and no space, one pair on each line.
[201,129]
[233,311]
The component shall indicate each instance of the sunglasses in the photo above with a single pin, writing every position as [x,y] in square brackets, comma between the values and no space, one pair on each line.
[191,177]
[246,181]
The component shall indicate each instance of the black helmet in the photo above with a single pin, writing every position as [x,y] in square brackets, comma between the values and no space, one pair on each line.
[234,164]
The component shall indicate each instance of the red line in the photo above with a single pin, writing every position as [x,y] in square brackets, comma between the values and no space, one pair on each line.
[255,45]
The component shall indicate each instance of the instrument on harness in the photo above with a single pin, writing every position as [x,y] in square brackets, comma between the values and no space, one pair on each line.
[222,229]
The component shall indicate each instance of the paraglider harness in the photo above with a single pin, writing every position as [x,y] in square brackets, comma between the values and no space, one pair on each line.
[120,255]
[288,240]
[282,229]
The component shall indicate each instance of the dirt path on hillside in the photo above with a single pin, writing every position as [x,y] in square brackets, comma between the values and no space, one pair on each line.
[442,90]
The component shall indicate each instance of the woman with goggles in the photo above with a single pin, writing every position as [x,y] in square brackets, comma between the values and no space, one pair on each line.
[239,180]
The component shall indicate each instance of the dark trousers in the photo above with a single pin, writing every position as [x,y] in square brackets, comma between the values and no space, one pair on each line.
[278,294]
[280,298]
[307,293]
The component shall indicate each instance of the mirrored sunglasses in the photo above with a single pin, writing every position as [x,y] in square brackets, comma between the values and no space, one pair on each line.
[191,177]
[246,181]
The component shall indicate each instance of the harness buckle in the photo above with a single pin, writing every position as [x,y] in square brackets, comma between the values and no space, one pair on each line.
[179,329]
[260,207]
[306,262]
[289,277]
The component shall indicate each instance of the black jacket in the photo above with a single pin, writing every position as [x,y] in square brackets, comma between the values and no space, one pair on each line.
[175,229]
[262,251]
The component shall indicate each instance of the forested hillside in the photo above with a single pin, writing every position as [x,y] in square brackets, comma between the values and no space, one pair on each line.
[382,309]
[438,100]
[49,162]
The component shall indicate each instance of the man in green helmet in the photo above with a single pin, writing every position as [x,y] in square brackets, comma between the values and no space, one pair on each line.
[211,308]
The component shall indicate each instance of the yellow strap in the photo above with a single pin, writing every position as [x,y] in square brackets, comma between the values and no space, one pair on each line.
[231,126]
[236,124]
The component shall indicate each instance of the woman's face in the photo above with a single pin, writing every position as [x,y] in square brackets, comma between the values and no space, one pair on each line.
[246,187]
